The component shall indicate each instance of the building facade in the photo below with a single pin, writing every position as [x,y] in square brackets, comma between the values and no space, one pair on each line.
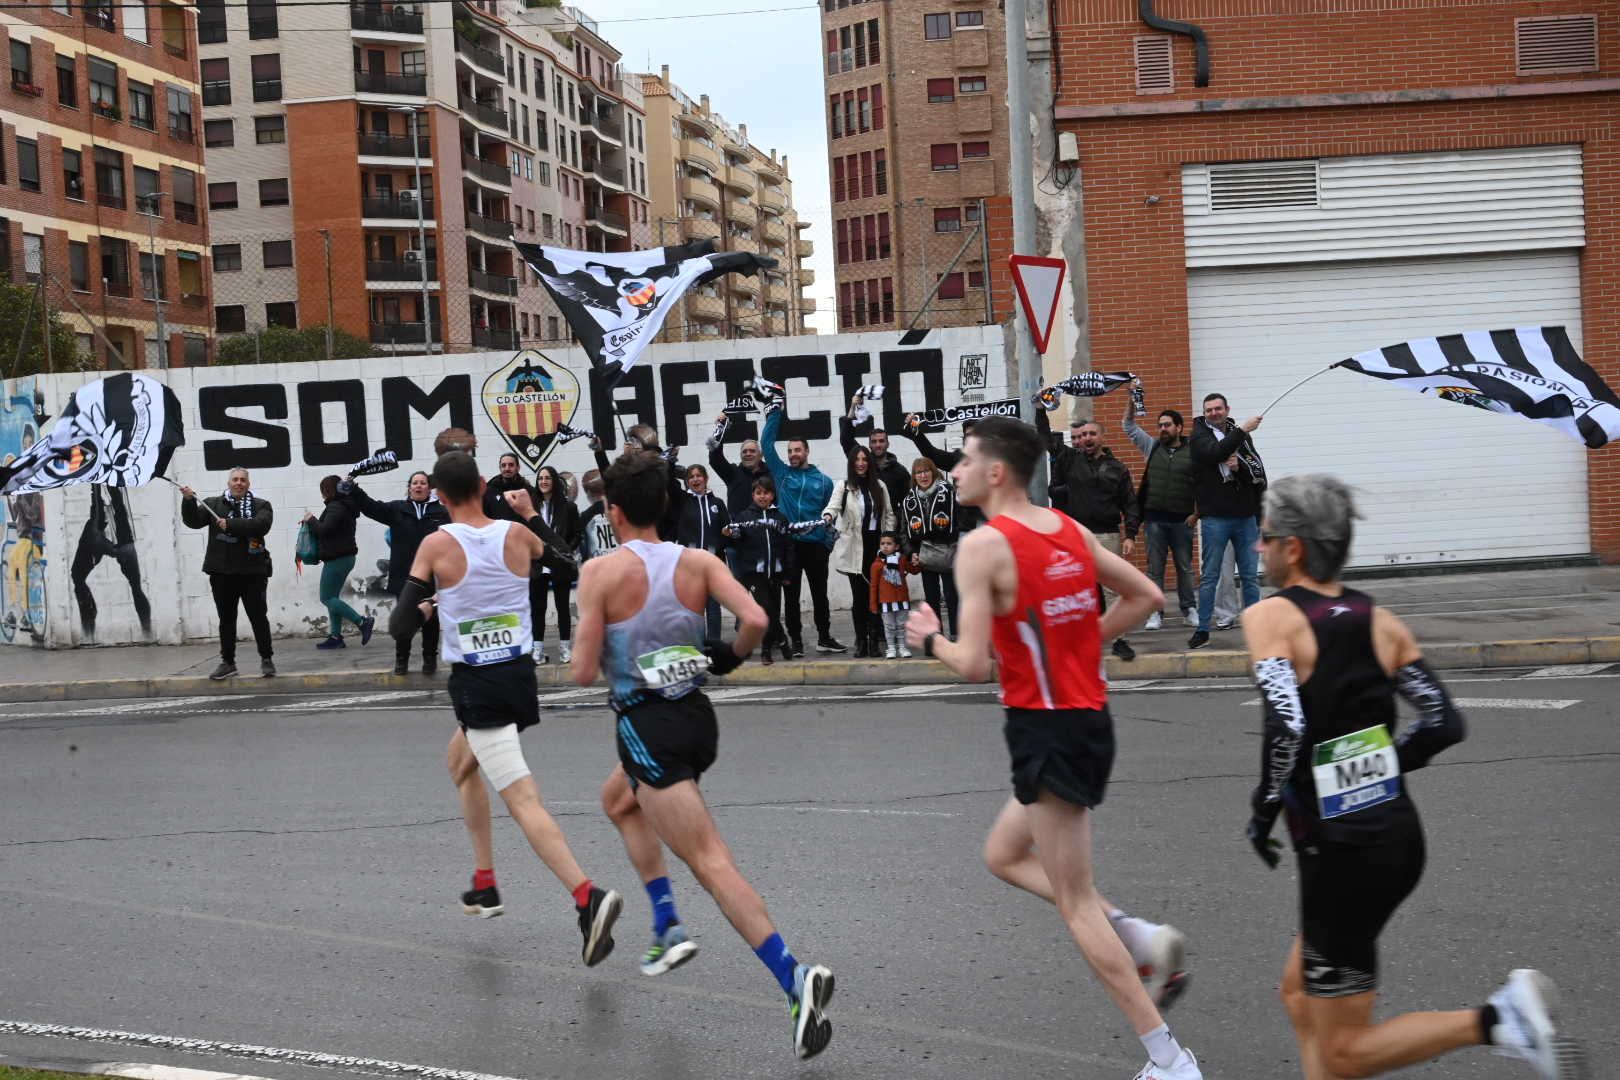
[387,199]
[708,182]
[101,177]
[1345,181]
[909,211]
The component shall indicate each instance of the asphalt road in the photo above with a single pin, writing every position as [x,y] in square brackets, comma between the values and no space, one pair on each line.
[283,873]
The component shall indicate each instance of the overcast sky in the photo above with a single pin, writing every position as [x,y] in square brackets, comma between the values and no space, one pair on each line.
[761,69]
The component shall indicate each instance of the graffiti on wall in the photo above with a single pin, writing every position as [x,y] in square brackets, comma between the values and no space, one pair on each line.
[22,553]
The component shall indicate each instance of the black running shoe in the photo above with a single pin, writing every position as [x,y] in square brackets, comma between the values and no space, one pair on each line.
[430,665]
[596,924]
[1123,650]
[828,643]
[794,650]
[484,903]
[1199,639]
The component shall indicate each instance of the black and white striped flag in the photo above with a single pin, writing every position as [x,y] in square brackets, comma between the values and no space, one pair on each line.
[1533,372]
[120,431]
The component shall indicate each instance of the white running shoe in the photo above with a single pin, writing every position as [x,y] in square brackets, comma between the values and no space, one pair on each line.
[1155,621]
[1527,1027]
[891,654]
[905,652]
[1185,1068]
[1226,623]
[565,652]
[1189,616]
[538,651]
[1163,966]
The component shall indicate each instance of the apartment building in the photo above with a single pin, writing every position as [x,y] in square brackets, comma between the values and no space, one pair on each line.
[389,197]
[101,174]
[709,182]
[908,212]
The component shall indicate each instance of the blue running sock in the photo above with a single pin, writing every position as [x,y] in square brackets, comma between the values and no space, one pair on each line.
[663,904]
[773,953]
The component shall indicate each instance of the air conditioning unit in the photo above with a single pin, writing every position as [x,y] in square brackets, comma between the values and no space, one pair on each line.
[413,256]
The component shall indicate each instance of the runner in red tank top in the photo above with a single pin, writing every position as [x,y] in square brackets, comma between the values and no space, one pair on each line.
[1028,587]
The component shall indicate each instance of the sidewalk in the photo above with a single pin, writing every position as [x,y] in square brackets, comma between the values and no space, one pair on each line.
[1476,620]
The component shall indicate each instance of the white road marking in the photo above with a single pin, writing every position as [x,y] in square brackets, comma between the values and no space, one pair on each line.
[575,695]
[839,810]
[732,693]
[162,1072]
[921,690]
[140,706]
[313,1058]
[318,704]
[1558,671]
[1497,703]
[1131,684]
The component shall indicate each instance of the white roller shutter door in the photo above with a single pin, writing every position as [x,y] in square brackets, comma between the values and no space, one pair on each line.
[1437,481]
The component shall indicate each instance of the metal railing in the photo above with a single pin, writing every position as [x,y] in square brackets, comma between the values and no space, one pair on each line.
[483,226]
[112,199]
[495,283]
[383,144]
[216,93]
[484,58]
[185,212]
[182,132]
[386,82]
[368,17]
[600,169]
[611,126]
[492,171]
[493,115]
[402,333]
[606,217]
[398,209]
[495,339]
[401,270]
[266,89]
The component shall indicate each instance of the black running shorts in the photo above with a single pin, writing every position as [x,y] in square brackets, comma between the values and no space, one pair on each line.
[1347,892]
[662,742]
[494,695]
[1069,752]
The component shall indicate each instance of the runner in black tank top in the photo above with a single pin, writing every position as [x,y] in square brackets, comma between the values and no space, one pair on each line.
[1332,757]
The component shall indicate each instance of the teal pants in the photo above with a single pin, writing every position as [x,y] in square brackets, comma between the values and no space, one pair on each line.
[334,572]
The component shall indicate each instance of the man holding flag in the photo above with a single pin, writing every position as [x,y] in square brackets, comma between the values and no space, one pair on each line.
[1229,480]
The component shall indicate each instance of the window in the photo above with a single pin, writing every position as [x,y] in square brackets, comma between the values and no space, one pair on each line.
[970,212]
[210,21]
[135,23]
[269,129]
[22,64]
[969,18]
[877,108]
[262,19]
[140,106]
[863,101]
[842,230]
[28,164]
[883,236]
[832,52]
[835,110]
[510,81]
[523,77]
[888,299]
[152,277]
[547,227]
[544,175]
[975,279]
[942,157]
[216,81]
[266,69]
[940,90]
[975,149]
[103,88]
[79,265]
[230,319]
[184,182]
[219,133]
[282,314]
[880,158]
[146,186]
[277,253]
[539,79]
[227,258]
[947,219]
[273,192]
[951,287]
[936,27]
[115,264]
[413,62]
[33,256]
[551,328]
[222,196]
[73,173]
[180,112]
[971,84]
[67,81]
[872,40]
[838,180]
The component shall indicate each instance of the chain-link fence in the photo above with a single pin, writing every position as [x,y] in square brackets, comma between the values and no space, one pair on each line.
[919,262]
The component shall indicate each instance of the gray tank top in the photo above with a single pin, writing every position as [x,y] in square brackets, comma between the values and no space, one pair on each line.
[659,649]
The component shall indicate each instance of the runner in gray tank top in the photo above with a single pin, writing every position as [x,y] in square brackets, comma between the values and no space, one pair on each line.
[481,568]
[641,623]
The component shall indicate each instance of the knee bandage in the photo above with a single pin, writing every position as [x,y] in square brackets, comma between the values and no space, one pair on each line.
[499,755]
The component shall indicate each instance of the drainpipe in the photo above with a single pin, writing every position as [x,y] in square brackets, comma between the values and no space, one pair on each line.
[1171,26]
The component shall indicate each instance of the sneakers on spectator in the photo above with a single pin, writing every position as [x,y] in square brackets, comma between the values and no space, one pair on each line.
[1155,621]
[225,670]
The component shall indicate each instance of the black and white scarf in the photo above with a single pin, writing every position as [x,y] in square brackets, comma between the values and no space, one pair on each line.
[238,508]
[1248,459]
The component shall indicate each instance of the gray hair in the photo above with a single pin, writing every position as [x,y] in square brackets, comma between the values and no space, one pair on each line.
[1318,510]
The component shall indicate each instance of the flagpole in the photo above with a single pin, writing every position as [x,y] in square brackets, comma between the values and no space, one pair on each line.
[1296,386]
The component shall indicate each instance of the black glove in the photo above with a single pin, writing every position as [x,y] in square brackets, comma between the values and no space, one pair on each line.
[723,659]
[1259,833]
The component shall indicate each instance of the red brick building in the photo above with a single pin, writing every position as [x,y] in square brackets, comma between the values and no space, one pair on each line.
[1357,173]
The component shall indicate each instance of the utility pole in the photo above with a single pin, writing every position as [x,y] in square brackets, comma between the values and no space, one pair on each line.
[326,240]
[1021,183]
[151,201]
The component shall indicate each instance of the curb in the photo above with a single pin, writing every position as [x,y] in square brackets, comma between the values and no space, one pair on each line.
[1183,665]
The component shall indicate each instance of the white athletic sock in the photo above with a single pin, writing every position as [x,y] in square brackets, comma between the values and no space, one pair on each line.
[1162,1046]
[1133,932]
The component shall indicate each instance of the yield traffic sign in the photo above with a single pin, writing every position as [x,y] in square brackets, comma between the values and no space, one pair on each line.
[1039,282]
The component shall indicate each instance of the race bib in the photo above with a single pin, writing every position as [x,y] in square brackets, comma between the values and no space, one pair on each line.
[1356,771]
[669,667]
[490,640]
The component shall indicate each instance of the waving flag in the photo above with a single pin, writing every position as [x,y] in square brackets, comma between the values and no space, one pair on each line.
[1533,372]
[120,431]
[1085,384]
[380,462]
[616,302]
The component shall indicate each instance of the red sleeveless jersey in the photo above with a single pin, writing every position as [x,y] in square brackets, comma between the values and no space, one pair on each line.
[1048,646]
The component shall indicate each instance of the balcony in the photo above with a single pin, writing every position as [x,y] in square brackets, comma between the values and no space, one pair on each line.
[775,231]
[480,57]
[807,305]
[494,339]
[970,48]
[975,113]
[807,248]
[492,115]
[742,212]
[704,305]
[403,270]
[397,21]
[743,284]
[492,171]
[698,153]
[489,227]
[403,333]
[384,82]
[396,208]
[497,284]
[609,127]
[772,199]
[741,178]
[697,228]
[610,175]
[381,144]
[776,290]
[742,243]
[698,122]
[806,276]
[700,191]
[606,220]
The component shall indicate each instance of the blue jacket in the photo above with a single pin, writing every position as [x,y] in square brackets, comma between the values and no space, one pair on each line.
[801,494]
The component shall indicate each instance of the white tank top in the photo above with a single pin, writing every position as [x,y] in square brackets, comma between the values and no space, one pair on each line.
[484,617]
[659,649]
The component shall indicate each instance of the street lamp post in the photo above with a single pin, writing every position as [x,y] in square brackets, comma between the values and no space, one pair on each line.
[421,222]
[151,201]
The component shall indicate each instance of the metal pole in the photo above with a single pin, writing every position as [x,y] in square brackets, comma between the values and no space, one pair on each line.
[1021,184]
[45,310]
[928,293]
[326,239]
[984,255]
[157,281]
[421,221]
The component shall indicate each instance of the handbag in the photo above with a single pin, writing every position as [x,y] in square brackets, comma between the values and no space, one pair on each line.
[936,557]
[309,547]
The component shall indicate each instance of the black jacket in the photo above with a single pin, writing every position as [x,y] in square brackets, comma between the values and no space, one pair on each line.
[968,518]
[408,523]
[763,549]
[699,521]
[334,529]
[1095,491]
[1233,496]
[895,476]
[933,518]
[667,523]
[739,482]
[239,549]
[495,489]
[564,520]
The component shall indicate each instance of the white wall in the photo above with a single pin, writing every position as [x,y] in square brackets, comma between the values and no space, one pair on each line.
[170,555]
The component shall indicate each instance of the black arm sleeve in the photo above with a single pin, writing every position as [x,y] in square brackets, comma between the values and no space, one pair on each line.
[1438,724]
[406,618]
[846,435]
[602,461]
[1283,735]
[558,556]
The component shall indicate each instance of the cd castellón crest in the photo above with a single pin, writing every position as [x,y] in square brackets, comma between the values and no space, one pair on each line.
[528,400]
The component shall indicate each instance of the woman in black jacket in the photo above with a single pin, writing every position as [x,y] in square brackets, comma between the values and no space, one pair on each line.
[930,519]
[562,517]
[698,524]
[409,521]
[334,536]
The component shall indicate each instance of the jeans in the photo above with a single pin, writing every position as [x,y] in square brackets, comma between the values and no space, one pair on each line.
[812,567]
[248,590]
[934,587]
[334,572]
[1174,539]
[1216,534]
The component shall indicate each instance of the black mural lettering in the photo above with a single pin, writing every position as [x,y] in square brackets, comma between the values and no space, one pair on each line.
[674,378]
[213,414]
[401,397]
[737,375]
[931,363]
[852,368]
[812,368]
[351,446]
[633,398]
